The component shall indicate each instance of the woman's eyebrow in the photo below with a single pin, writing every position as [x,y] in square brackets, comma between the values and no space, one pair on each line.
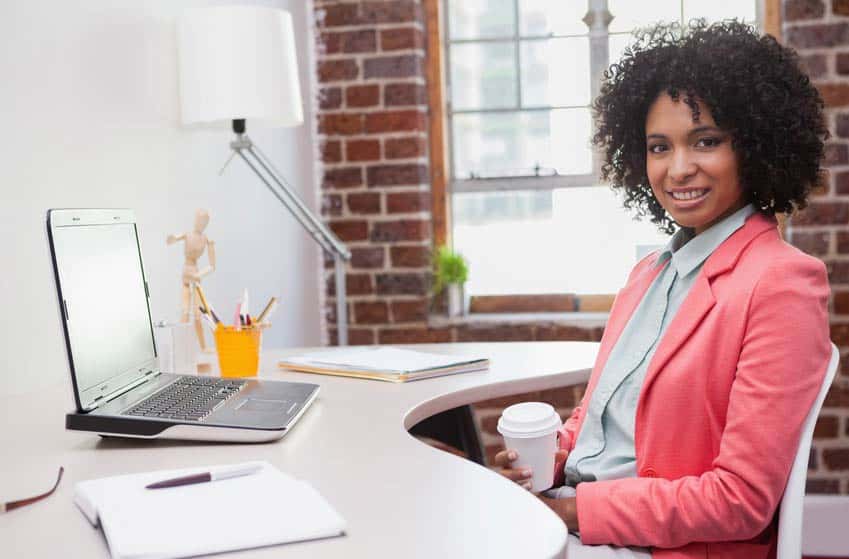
[694,131]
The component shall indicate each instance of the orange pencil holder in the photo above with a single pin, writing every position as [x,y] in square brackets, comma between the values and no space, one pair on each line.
[238,350]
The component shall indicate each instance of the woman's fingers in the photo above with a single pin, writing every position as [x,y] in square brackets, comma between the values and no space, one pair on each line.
[503,458]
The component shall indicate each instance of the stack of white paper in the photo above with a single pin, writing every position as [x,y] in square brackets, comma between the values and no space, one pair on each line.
[261,509]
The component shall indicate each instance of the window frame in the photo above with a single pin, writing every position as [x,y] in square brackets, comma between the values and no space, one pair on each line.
[768,13]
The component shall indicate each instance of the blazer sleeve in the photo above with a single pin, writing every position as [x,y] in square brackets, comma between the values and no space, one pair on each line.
[784,356]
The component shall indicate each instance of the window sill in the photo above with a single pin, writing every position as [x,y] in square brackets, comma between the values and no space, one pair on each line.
[575,319]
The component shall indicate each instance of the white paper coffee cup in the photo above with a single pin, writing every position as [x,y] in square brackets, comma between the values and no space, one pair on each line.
[530,428]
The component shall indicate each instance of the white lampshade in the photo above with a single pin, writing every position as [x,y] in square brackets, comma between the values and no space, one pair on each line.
[238,62]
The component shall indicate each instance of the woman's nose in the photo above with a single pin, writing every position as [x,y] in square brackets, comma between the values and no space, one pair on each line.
[681,167]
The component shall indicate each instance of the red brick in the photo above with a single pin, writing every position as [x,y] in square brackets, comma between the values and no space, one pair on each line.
[839,334]
[834,94]
[355,284]
[820,486]
[364,202]
[401,38]
[337,14]
[401,230]
[836,153]
[843,242]
[362,150]
[344,124]
[836,458]
[356,336]
[343,177]
[841,122]
[803,9]
[369,257]
[331,151]
[490,451]
[490,424]
[403,66]
[399,11]
[842,63]
[331,204]
[554,332]
[504,401]
[814,65]
[826,427]
[360,40]
[371,312]
[406,202]
[330,98]
[841,182]
[401,284]
[397,175]
[819,35]
[563,397]
[496,333]
[362,95]
[337,70]
[396,94]
[840,7]
[414,336]
[409,256]
[823,213]
[814,243]
[409,311]
[838,272]
[350,230]
[395,121]
[401,148]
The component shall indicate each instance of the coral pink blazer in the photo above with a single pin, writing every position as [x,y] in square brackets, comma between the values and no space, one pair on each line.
[722,404]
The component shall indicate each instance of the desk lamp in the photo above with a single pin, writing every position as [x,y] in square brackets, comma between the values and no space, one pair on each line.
[237,63]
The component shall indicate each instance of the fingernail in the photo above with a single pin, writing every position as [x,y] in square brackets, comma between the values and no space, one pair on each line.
[511,456]
[526,472]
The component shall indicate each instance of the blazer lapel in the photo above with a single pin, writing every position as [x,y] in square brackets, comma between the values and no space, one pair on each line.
[701,299]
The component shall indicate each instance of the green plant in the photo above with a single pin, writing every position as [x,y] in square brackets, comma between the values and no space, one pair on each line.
[449,267]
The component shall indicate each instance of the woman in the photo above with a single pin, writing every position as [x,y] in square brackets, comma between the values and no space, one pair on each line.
[717,345]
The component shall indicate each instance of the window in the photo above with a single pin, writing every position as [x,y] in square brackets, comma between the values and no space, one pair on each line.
[527,209]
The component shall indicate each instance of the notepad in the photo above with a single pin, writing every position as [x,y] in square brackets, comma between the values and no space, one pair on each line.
[384,363]
[265,508]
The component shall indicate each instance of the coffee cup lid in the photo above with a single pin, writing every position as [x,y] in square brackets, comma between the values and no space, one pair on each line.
[528,419]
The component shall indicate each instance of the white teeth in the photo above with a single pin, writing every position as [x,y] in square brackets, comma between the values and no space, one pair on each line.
[688,195]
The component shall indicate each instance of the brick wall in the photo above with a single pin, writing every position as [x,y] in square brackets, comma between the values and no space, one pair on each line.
[819,31]
[373,126]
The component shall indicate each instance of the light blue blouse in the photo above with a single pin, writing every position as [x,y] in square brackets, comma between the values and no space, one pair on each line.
[605,445]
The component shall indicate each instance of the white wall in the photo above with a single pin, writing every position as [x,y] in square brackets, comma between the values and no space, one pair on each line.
[89,113]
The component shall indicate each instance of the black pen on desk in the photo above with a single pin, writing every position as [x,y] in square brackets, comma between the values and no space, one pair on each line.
[224,473]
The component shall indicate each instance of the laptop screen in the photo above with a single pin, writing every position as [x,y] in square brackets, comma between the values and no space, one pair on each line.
[104,295]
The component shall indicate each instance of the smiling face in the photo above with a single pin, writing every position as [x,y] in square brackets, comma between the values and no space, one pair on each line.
[691,165]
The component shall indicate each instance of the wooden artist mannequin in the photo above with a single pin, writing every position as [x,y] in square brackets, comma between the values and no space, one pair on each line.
[195,242]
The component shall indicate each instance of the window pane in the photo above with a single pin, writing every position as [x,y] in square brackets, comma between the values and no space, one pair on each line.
[541,17]
[483,76]
[717,10]
[616,46]
[512,144]
[629,15]
[555,72]
[478,19]
[536,242]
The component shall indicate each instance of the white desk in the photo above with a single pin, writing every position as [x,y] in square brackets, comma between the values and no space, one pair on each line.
[401,498]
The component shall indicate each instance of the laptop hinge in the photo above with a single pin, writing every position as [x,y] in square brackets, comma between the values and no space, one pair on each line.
[121,391]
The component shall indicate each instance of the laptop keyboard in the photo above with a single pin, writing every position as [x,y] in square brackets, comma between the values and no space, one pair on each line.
[188,399]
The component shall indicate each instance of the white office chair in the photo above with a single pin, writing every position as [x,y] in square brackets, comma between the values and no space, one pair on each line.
[790,513]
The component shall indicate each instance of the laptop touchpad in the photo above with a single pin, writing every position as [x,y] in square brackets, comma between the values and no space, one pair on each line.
[267,406]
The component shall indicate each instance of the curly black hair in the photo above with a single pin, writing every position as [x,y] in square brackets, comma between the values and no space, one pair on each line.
[754,89]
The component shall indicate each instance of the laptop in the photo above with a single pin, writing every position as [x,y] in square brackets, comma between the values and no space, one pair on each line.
[118,387]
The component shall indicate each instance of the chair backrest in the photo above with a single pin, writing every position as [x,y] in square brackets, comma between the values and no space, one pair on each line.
[790,513]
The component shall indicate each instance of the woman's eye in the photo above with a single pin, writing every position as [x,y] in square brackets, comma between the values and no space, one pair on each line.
[708,142]
[657,148]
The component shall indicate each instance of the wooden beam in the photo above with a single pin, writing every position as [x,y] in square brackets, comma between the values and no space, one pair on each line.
[440,198]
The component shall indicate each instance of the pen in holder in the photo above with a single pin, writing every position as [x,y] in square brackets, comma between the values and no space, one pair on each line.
[238,350]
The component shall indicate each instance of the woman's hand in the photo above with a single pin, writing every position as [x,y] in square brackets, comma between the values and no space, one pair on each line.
[566,509]
[504,460]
